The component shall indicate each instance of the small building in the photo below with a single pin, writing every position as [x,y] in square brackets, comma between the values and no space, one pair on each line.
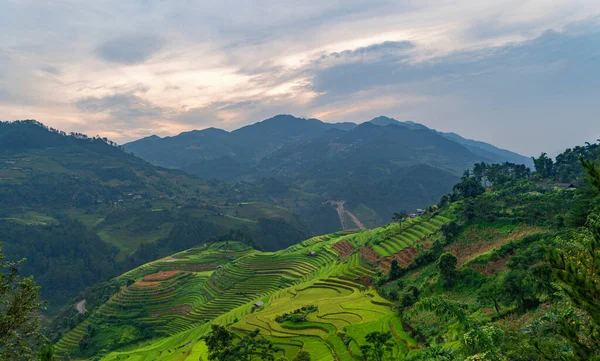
[311,253]
[259,304]
[412,215]
[137,196]
[556,185]
[219,267]
[420,211]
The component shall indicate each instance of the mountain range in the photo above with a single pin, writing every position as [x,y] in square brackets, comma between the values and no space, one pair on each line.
[376,168]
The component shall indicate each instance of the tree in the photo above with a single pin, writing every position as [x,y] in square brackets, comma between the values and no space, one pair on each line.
[221,347]
[544,166]
[302,355]
[399,216]
[217,341]
[491,292]
[19,303]
[396,270]
[251,346]
[481,340]
[592,172]
[378,344]
[450,230]
[469,187]
[447,266]
[46,352]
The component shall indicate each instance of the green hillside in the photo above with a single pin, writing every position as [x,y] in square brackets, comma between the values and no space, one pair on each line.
[179,296]
[382,165]
[486,274]
[83,210]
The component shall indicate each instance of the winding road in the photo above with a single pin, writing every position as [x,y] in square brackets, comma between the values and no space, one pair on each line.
[80,306]
[341,211]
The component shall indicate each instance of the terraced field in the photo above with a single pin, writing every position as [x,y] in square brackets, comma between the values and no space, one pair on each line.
[345,312]
[401,236]
[163,308]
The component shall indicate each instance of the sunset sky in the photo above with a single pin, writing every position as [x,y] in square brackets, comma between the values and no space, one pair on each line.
[523,75]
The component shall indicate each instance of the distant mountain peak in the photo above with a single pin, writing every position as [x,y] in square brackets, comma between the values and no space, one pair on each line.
[383,121]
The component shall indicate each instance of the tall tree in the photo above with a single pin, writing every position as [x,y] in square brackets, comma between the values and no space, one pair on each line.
[378,344]
[544,166]
[19,322]
[222,348]
[399,216]
[447,266]
[217,341]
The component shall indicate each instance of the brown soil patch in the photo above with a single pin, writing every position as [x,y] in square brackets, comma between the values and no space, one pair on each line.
[178,310]
[343,248]
[404,258]
[193,267]
[160,276]
[368,254]
[478,240]
[365,281]
[144,284]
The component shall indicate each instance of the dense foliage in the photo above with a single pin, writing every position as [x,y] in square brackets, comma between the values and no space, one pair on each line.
[19,321]
[64,258]
[380,165]
[533,293]
[82,210]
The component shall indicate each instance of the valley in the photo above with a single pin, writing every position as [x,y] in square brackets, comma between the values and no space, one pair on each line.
[147,263]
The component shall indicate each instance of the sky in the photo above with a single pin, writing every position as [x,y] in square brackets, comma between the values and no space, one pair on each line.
[523,75]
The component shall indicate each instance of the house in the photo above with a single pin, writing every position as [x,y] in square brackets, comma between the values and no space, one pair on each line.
[420,211]
[311,253]
[219,267]
[412,215]
[556,185]
[259,304]
[137,196]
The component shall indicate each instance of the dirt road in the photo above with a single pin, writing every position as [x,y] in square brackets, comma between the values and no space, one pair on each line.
[80,306]
[342,212]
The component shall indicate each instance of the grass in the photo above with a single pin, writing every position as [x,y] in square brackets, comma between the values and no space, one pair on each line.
[180,296]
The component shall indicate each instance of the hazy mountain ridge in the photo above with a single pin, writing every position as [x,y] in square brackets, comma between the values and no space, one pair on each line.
[82,208]
[328,159]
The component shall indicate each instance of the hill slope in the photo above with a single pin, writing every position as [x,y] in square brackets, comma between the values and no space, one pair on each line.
[178,297]
[329,159]
[479,263]
[83,209]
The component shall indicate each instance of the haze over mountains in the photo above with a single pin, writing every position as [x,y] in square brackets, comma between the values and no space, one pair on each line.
[377,167]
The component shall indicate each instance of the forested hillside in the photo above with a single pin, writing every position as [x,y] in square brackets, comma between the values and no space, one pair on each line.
[502,268]
[376,167]
[81,209]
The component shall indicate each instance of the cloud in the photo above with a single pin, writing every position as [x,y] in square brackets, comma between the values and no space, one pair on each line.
[128,50]
[481,70]
[120,106]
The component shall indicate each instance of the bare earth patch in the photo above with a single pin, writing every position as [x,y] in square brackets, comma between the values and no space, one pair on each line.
[478,240]
[368,254]
[343,248]
[404,258]
[160,276]
[144,284]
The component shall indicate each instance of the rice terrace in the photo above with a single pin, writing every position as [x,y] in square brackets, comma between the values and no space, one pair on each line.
[231,284]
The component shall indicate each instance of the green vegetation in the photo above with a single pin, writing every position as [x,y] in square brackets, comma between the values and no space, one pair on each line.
[497,270]
[376,166]
[19,322]
[298,315]
[505,267]
[82,210]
